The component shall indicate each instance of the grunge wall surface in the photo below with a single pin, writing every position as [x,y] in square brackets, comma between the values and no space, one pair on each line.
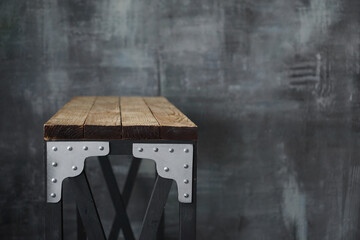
[273,85]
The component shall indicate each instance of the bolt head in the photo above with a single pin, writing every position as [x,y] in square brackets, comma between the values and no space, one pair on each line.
[74,168]
[101,148]
[69,148]
[85,148]
[52,195]
[54,180]
[186,195]
[140,149]
[166,169]
[156,149]
[186,166]
[171,150]
[186,181]
[54,149]
[54,164]
[186,150]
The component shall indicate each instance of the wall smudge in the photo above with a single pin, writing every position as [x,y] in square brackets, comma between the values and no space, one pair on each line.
[273,86]
[294,209]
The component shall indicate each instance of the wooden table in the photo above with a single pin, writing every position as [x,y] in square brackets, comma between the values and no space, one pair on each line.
[143,127]
[120,118]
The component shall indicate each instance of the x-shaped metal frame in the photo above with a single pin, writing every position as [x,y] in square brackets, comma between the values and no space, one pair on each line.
[169,168]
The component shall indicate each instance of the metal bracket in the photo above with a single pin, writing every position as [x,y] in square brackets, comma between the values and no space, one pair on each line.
[66,159]
[173,161]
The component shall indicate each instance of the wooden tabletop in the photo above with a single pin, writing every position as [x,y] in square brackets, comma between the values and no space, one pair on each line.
[119,118]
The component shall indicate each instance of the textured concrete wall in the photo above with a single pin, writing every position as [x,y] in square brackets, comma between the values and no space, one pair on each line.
[272,84]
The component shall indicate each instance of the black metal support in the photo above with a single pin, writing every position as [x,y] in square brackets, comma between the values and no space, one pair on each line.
[87,209]
[54,221]
[130,179]
[155,208]
[128,187]
[161,230]
[160,235]
[81,234]
[118,202]
[89,224]
[187,213]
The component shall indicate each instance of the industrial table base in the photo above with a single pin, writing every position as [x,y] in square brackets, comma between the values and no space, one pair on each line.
[120,126]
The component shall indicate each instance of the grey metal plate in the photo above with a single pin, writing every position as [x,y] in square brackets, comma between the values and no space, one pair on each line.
[66,159]
[173,161]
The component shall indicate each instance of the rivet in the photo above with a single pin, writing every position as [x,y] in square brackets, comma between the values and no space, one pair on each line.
[74,168]
[186,195]
[186,181]
[186,150]
[54,164]
[140,149]
[171,150]
[54,149]
[85,148]
[69,148]
[53,195]
[101,148]
[166,169]
[186,166]
[54,180]
[156,149]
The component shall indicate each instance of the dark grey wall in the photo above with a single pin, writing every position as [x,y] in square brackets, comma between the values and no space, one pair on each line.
[272,84]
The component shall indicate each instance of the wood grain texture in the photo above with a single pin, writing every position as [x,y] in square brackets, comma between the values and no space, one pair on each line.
[173,123]
[137,120]
[68,122]
[103,120]
[120,118]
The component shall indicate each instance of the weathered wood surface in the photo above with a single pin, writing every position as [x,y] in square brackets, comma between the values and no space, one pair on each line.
[68,122]
[137,120]
[120,118]
[103,120]
[172,121]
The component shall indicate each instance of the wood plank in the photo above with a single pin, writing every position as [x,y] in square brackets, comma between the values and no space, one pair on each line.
[103,120]
[68,122]
[117,118]
[137,120]
[174,124]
